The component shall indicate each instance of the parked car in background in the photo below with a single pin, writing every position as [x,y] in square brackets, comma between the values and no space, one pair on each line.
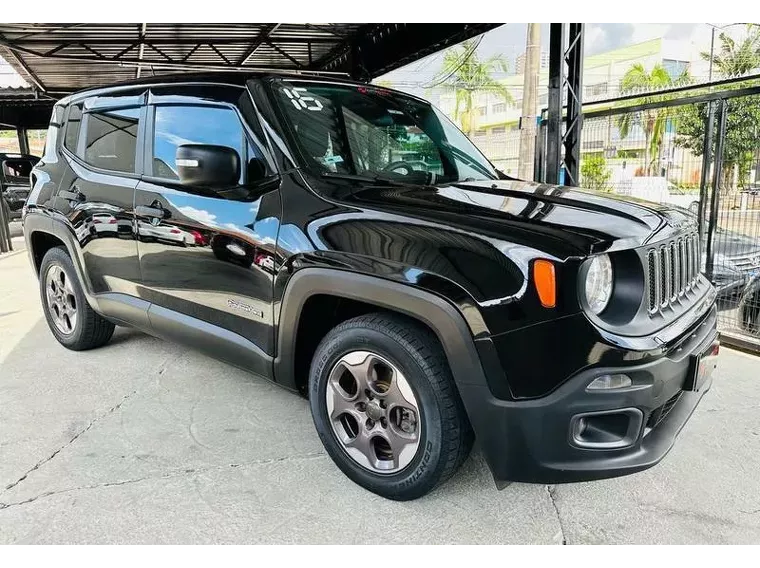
[749,307]
[147,231]
[736,260]
[658,190]
[682,198]
[14,180]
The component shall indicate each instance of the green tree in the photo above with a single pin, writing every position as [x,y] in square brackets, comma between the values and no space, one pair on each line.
[595,174]
[651,121]
[464,74]
[743,124]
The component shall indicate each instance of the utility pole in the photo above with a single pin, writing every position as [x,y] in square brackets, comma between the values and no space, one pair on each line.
[530,102]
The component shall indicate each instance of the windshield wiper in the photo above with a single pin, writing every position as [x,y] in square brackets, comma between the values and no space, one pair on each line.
[375,178]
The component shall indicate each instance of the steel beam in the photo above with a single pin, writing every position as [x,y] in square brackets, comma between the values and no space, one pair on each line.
[189,40]
[23,140]
[284,54]
[707,148]
[261,38]
[717,173]
[554,116]
[141,51]
[24,66]
[574,120]
[565,84]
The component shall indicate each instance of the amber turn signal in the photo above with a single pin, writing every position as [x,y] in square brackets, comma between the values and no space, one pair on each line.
[545,282]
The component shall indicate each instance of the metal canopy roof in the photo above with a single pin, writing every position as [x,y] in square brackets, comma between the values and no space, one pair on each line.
[22,107]
[61,58]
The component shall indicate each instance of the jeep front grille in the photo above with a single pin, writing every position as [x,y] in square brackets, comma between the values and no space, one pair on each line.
[673,268]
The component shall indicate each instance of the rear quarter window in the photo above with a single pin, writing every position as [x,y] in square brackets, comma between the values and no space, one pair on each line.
[111,139]
[73,125]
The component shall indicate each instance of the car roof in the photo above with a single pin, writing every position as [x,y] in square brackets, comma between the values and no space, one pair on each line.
[226,78]
[211,77]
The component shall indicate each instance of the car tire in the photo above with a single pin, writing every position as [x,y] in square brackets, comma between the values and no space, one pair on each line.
[72,321]
[408,359]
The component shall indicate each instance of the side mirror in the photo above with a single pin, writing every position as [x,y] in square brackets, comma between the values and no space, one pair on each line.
[206,165]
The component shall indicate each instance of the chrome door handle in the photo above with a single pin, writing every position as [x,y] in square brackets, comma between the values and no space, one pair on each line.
[147,211]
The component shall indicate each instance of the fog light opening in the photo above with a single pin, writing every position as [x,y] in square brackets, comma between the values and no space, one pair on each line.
[579,428]
[606,430]
[610,382]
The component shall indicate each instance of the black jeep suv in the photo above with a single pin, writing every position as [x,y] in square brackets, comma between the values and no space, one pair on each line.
[348,242]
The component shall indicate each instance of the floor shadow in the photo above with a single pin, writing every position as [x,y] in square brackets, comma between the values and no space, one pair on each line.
[123,335]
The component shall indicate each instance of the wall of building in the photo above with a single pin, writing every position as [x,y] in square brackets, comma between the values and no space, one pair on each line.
[496,123]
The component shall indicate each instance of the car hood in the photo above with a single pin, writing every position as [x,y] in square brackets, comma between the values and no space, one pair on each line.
[566,221]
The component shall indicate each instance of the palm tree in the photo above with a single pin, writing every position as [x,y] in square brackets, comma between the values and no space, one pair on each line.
[735,60]
[732,60]
[652,121]
[464,74]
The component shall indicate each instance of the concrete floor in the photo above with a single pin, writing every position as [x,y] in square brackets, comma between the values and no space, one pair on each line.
[143,441]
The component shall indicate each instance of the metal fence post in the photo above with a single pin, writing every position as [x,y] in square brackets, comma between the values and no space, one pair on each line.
[539,165]
[707,147]
[554,115]
[5,230]
[717,171]
[23,140]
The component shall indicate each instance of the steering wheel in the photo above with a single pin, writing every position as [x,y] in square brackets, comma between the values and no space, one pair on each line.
[402,167]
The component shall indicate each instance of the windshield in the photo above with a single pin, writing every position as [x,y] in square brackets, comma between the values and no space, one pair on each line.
[369,131]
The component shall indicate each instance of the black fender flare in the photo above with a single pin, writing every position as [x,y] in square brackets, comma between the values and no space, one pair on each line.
[35,222]
[434,311]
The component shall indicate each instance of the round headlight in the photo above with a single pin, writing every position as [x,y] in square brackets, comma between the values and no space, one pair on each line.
[598,287]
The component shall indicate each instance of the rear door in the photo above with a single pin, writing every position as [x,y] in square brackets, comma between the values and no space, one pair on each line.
[205,255]
[96,195]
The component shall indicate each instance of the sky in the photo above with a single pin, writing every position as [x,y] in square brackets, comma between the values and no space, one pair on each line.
[509,41]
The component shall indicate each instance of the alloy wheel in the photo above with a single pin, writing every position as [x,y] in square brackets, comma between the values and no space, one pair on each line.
[373,412]
[61,300]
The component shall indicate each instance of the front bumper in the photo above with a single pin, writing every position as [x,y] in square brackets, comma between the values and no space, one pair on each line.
[535,440]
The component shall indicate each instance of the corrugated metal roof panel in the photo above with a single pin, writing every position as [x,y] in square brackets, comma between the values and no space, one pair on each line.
[69,57]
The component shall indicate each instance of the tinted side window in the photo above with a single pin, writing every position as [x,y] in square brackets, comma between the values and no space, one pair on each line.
[177,125]
[111,141]
[71,138]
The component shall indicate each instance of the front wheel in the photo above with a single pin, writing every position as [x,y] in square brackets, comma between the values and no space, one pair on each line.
[386,407]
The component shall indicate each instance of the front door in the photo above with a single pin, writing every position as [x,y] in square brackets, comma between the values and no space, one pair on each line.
[97,193]
[205,256]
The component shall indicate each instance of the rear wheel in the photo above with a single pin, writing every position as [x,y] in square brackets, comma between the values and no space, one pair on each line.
[386,407]
[71,319]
